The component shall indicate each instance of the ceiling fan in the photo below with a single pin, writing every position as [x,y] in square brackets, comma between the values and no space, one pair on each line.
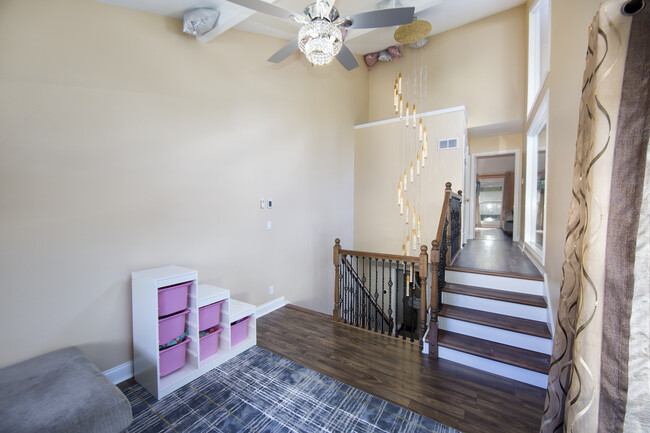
[320,36]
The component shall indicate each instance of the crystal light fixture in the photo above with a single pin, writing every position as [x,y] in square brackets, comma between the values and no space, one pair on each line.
[320,40]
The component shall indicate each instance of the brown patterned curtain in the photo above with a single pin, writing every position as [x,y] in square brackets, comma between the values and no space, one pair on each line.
[600,367]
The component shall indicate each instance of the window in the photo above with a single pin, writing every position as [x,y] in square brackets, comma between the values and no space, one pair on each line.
[449,143]
[539,39]
[536,157]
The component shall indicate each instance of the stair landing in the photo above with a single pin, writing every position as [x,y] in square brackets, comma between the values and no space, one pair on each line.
[492,251]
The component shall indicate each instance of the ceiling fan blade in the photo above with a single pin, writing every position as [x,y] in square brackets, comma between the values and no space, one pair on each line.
[284,52]
[347,59]
[265,7]
[382,18]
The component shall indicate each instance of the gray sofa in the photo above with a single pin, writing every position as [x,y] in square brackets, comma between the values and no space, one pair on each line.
[61,391]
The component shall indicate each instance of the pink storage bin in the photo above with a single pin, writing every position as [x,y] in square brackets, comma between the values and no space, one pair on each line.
[171,327]
[173,358]
[239,331]
[173,299]
[209,316]
[209,344]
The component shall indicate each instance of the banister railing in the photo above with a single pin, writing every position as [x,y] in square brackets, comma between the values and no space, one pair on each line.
[444,249]
[384,293]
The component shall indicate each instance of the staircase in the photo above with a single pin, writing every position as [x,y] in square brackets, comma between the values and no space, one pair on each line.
[496,323]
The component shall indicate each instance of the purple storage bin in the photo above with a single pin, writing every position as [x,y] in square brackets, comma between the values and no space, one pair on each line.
[173,358]
[171,327]
[172,299]
[209,344]
[239,331]
[209,315]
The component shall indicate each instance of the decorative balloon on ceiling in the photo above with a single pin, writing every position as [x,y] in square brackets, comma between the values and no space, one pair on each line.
[413,35]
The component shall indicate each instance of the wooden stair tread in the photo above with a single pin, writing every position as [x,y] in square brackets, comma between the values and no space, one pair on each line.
[495,273]
[499,295]
[516,356]
[509,323]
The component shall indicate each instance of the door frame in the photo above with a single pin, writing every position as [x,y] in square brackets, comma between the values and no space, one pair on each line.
[517,181]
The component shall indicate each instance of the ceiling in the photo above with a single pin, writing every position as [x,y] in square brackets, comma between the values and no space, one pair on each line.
[442,14]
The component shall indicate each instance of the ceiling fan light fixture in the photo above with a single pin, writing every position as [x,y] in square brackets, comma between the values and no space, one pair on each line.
[320,41]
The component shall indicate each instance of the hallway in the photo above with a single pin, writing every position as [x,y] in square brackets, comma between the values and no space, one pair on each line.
[493,251]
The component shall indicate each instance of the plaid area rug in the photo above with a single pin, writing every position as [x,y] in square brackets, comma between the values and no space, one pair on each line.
[259,391]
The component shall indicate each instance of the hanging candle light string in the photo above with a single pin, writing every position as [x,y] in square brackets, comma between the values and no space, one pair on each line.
[409,94]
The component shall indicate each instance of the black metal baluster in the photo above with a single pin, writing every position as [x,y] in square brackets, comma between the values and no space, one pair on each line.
[356,293]
[377,296]
[383,292]
[390,297]
[404,303]
[344,265]
[397,282]
[414,282]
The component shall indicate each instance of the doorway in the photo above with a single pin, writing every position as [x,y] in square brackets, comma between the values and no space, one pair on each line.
[495,193]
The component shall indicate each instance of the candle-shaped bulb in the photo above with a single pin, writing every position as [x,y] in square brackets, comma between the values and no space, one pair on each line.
[403,249]
[399,83]
[421,130]
[425,143]
[417,165]
[401,106]
[405,181]
[414,115]
[422,156]
[414,242]
[411,171]
[407,114]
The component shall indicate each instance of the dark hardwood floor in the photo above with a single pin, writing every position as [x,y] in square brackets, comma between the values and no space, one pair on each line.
[464,398]
[493,251]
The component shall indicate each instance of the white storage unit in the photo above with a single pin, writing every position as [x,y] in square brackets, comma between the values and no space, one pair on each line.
[146,361]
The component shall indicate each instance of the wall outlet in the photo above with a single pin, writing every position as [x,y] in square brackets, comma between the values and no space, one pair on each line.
[262,204]
[271,289]
[270,206]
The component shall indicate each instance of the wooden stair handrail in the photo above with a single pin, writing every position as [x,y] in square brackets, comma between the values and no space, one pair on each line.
[422,260]
[381,256]
[435,260]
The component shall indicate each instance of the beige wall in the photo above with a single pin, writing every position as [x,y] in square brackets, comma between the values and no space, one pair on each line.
[378,163]
[569,30]
[480,65]
[495,144]
[125,145]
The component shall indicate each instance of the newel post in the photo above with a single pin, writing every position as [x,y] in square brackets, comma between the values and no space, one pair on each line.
[433,322]
[424,270]
[336,314]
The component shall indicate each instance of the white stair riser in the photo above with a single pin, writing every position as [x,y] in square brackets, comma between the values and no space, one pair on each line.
[494,306]
[511,338]
[519,285]
[506,370]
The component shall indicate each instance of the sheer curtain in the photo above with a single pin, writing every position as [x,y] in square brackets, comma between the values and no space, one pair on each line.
[601,357]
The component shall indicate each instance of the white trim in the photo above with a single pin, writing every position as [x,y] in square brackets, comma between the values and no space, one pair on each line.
[499,368]
[472,200]
[521,285]
[539,122]
[270,306]
[497,335]
[420,115]
[505,308]
[120,373]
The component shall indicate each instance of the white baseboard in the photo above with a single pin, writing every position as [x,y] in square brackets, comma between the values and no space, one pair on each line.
[270,306]
[120,373]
